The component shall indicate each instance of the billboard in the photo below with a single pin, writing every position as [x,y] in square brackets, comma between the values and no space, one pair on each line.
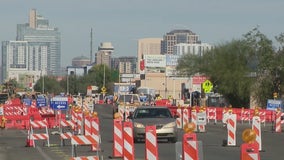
[155,60]
[172,60]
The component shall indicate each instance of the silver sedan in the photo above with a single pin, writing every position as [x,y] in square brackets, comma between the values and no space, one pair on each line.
[161,117]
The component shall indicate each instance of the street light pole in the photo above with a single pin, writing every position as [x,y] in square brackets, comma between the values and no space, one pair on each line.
[42,82]
[67,83]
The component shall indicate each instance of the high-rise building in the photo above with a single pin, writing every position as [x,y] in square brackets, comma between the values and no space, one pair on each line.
[197,49]
[175,37]
[80,61]
[36,51]
[103,56]
[14,59]
[125,65]
[44,44]
[147,46]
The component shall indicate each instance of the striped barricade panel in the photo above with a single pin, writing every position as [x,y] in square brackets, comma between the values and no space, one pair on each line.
[85,158]
[38,124]
[67,135]
[82,140]
[40,136]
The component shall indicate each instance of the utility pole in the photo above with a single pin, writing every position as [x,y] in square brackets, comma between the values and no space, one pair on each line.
[91,47]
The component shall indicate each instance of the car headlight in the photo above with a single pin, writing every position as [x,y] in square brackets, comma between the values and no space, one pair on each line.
[138,125]
[169,125]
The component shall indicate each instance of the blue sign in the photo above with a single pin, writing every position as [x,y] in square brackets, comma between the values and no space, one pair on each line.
[27,101]
[274,104]
[41,102]
[59,103]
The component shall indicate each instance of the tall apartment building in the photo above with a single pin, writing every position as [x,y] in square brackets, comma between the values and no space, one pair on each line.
[175,37]
[103,56]
[36,51]
[44,44]
[147,46]
[197,49]
[125,64]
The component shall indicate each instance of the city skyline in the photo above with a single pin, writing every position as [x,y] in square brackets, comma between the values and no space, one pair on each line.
[124,22]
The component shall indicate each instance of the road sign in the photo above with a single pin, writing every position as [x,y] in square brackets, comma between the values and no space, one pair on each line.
[27,101]
[41,102]
[201,118]
[207,86]
[59,103]
[103,89]
[1,111]
[274,104]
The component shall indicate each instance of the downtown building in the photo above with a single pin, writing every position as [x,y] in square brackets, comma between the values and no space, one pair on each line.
[36,51]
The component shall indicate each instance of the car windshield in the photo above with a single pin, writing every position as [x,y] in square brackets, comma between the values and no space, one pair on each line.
[128,98]
[152,113]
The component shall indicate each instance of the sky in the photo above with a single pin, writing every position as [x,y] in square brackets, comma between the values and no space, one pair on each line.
[123,22]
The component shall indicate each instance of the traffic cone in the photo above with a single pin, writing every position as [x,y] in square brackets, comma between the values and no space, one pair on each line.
[29,141]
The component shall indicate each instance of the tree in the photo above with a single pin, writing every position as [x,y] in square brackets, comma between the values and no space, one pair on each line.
[241,68]
[50,84]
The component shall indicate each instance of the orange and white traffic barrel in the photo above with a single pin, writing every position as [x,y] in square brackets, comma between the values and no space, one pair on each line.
[117,138]
[278,127]
[185,116]
[231,127]
[179,118]
[189,147]
[201,128]
[194,117]
[249,149]
[151,143]
[128,143]
[256,126]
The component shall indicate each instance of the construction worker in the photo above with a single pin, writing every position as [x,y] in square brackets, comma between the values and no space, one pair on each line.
[3,122]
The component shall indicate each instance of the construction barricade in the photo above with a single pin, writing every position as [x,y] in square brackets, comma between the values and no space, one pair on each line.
[256,126]
[151,144]
[193,117]
[38,125]
[128,143]
[189,147]
[278,121]
[231,129]
[66,125]
[117,138]
[92,128]
[211,114]
[78,140]
[245,115]
[201,119]
[179,118]
[249,149]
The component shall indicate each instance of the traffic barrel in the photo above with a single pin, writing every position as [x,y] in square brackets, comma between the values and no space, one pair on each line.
[256,126]
[189,143]
[117,138]
[179,118]
[185,116]
[194,117]
[151,143]
[249,149]
[128,143]
[278,127]
[231,128]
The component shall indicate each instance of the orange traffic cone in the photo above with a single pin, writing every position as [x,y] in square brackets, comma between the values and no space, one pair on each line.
[29,141]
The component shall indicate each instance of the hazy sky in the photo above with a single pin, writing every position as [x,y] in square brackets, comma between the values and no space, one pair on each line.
[123,22]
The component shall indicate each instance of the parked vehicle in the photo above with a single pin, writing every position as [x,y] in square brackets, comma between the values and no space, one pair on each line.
[130,101]
[161,117]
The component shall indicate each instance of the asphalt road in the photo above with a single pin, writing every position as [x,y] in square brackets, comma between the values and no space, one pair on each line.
[12,143]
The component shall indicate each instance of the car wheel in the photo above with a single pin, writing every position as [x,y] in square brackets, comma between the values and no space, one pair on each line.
[136,140]
[173,139]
